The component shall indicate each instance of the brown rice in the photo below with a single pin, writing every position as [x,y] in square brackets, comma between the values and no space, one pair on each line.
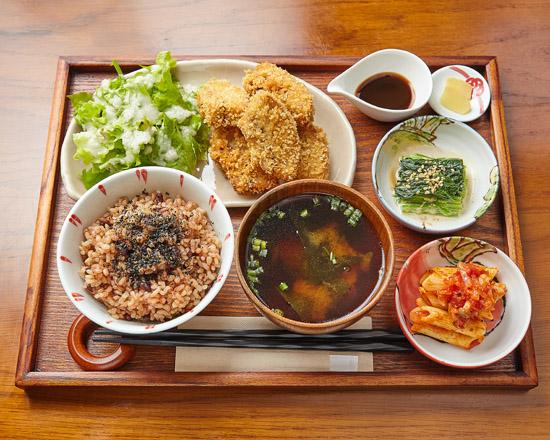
[172,286]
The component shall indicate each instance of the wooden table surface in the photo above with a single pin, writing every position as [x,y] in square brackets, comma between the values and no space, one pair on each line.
[32,36]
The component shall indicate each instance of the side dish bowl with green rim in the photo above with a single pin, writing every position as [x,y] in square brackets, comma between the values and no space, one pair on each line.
[437,137]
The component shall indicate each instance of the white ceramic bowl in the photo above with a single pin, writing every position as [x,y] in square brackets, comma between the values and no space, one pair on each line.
[503,337]
[481,94]
[328,115]
[102,196]
[437,136]
[388,60]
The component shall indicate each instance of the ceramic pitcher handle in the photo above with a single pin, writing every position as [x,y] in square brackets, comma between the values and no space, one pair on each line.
[79,333]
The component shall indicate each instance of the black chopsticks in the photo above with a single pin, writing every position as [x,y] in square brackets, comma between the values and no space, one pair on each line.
[347,340]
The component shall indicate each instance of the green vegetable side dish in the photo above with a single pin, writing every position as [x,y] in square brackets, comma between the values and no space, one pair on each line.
[147,118]
[427,185]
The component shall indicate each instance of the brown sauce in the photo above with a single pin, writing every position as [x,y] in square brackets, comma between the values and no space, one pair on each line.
[387,90]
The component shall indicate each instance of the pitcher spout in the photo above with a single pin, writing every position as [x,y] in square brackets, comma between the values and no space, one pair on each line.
[336,87]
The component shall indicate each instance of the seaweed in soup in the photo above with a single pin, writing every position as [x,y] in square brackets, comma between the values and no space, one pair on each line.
[313,258]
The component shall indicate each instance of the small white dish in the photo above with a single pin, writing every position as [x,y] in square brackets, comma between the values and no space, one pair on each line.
[98,199]
[328,115]
[388,60]
[502,338]
[481,94]
[437,136]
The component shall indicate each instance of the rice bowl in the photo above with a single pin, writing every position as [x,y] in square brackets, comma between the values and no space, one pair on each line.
[150,258]
[173,293]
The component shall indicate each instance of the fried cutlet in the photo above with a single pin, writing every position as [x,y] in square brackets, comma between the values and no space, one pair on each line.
[220,103]
[230,150]
[271,133]
[285,87]
[314,156]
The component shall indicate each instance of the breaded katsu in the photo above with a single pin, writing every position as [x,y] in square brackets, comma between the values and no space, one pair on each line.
[291,92]
[263,134]
[314,155]
[230,150]
[271,133]
[220,103]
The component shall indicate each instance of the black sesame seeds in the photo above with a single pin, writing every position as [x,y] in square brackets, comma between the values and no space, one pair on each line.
[147,242]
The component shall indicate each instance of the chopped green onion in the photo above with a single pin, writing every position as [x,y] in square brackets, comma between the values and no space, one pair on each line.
[256,248]
[355,217]
[348,211]
[255,272]
[283,286]
[316,201]
[263,245]
[304,213]
[263,253]
[256,242]
[280,214]
[278,312]
[252,263]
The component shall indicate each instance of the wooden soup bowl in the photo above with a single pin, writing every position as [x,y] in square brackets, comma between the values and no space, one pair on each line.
[358,200]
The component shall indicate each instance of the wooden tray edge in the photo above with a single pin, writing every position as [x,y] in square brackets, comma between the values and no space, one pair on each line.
[35,283]
[133,62]
[516,381]
[25,377]
[511,218]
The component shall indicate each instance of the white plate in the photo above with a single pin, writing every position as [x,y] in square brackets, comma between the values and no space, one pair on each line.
[481,94]
[437,136]
[328,116]
[506,334]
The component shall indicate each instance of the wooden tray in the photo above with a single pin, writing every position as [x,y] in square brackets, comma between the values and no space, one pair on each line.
[43,356]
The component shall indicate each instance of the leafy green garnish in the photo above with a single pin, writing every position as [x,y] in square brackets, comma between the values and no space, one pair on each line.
[148,118]
[427,185]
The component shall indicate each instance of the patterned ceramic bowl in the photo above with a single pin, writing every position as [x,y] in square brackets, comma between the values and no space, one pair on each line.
[481,93]
[102,196]
[437,136]
[504,333]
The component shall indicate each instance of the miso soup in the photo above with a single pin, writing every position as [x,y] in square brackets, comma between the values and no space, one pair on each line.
[313,258]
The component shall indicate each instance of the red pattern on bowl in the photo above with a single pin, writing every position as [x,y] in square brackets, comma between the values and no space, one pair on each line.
[511,324]
[96,201]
